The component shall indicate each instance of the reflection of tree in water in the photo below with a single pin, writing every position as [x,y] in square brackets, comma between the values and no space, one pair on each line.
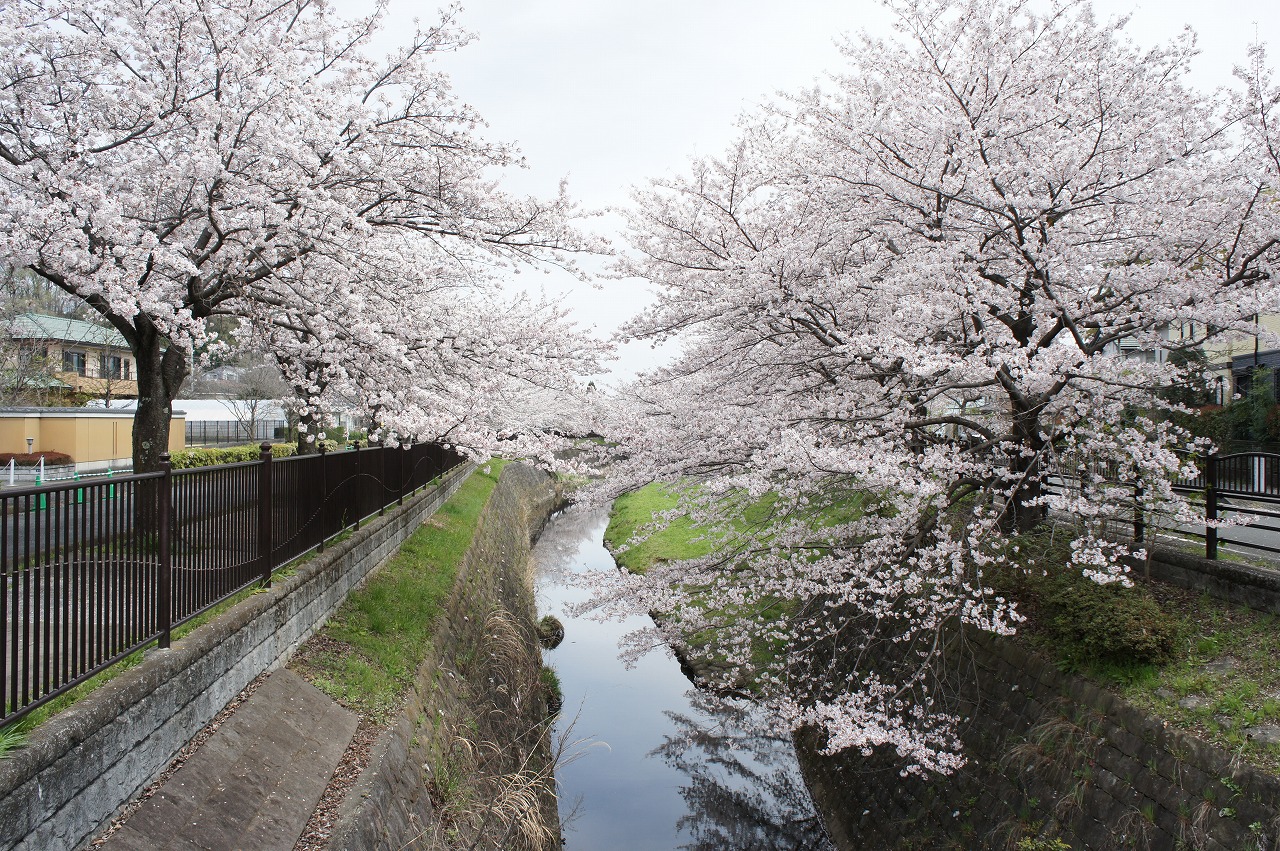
[745,791]
[557,552]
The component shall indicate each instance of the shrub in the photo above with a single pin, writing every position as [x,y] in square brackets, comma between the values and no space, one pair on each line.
[185,459]
[1104,624]
[550,682]
[32,459]
[550,632]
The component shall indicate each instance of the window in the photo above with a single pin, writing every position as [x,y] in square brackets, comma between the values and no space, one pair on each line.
[73,362]
[110,366]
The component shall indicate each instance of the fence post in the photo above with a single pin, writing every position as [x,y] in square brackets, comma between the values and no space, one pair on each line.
[164,556]
[1139,520]
[1211,504]
[324,496]
[356,497]
[382,478]
[264,513]
[400,476]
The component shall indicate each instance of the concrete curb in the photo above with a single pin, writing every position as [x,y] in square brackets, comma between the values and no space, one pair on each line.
[1246,584]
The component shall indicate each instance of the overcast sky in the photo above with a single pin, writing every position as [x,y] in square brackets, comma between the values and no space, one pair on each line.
[610,93]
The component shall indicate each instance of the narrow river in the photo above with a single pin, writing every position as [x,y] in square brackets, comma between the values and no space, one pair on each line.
[659,765]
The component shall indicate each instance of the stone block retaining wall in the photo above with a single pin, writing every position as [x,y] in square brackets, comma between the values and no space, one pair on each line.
[1243,584]
[81,766]
[1050,755]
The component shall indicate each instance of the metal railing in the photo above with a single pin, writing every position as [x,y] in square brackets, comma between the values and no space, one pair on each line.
[1236,485]
[231,432]
[1239,485]
[95,570]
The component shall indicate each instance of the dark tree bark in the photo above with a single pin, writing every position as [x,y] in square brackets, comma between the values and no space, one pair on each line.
[1023,513]
[161,374]
[308,427]
[161,371]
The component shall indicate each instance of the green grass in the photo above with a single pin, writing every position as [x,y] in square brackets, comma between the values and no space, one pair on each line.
[13,736]
[550,682]
[1226,701]
[633,511]
[368,653]
[681,539]
[1156,645]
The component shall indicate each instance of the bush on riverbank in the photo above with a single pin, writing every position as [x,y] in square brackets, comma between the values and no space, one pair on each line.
[1086,627]
[550,632]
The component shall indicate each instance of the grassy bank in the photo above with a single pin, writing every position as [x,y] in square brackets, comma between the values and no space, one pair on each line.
[1224,681]
[366,656]
[632,511]
[679,540]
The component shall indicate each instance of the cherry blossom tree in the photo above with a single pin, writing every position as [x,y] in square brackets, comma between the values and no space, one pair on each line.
[446,357]
[173,162]
[901,299]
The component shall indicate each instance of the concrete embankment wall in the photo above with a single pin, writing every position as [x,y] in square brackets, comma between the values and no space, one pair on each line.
[81,766]
[474,685]
[1049,755]
[1243,584]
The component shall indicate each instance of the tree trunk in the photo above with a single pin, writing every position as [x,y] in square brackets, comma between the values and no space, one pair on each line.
[311,424]
[160,378]
[1025,471]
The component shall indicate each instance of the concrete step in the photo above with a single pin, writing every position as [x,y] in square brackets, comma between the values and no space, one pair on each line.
[254,783]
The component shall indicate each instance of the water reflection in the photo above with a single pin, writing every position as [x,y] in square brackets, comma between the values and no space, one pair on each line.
[682,769]
[744,789]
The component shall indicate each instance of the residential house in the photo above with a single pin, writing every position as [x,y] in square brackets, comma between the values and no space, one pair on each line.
[84,358]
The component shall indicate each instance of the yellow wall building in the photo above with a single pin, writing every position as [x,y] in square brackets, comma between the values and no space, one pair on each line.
[96,439]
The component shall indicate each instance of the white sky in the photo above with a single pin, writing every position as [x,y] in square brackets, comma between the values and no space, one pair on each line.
[610,93]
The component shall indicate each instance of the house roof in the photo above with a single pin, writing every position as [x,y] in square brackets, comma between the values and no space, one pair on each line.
[40,326]
[1269,358]
[8,378]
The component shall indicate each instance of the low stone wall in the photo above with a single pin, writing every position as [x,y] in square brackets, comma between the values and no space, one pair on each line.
[78,768]
[1244,584]
[1050,755]
[473,685]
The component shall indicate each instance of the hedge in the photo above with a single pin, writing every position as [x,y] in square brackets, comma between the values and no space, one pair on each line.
[32,459]
[199,457]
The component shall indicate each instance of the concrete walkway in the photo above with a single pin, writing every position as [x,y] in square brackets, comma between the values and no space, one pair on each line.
[254,783]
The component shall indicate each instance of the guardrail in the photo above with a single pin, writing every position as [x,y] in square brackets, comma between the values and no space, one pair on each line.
[1242,484]
[95,570]
[1239,484]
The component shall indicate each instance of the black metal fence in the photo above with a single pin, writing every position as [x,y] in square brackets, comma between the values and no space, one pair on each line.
[93,571]
[1240,485]
[232,432]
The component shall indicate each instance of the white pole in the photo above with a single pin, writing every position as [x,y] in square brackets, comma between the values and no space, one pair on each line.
[11,466]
